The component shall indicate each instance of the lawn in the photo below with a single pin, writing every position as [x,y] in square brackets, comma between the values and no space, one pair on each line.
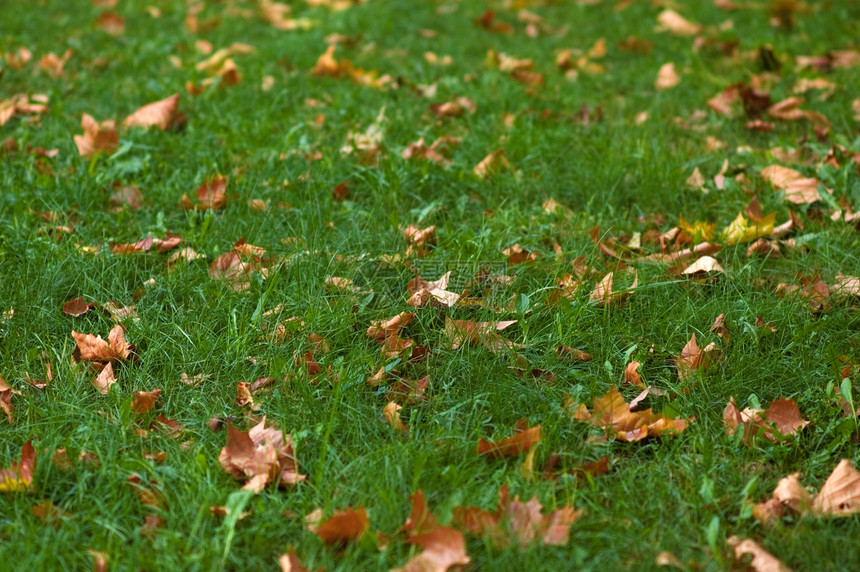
[250,245]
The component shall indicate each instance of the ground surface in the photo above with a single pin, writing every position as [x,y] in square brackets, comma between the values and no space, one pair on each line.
[588,128]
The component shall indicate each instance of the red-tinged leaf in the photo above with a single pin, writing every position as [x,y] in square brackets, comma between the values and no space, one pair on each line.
[100,560]
[161,114]
[97,137]
[111,22]
[260,456]
[693,358]
[77,307]
[19,477]
[169,426]
[243,395]
[290,562]
[94,348]
[443,548]
[568,353]
[420,520]
[632,376]
[512,446]
[144,401]
[50,513]
[613,414]
[344,526]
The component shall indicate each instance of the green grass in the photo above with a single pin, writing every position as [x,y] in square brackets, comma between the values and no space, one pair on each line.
[684,494]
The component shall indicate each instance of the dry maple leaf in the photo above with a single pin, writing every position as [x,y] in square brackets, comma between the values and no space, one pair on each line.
[97,137]
[105,379]
[443,548]
[144,401]
[491,164]
[342,527]
[839,496]
[381,329]
[667,77]
[612,414]
[602,295]
[524,439]
[22,104]
[693,358]
[210,195]
[423,292]
[94,348]
[161,114]
[798,189]
[77,307]
[762,560]
[392,416]
[19,477]
[780,419]
[673,22]
[703,266]
[464,332]
[632,376]
[518,522]
[290,562]
[260,456]
[111,22]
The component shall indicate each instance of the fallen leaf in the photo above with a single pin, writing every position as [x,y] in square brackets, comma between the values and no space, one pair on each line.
[262,455]
[290,562]
[144,401]
[693,358]
[161,114]
[343,527]
[443,548]
[423,292]
[211,195]
[491,164]
[523,440]
[464,332]
[392,415]
[602,295]
[97,137]
[77,307]
[632,376]
[105,379]
[667,78]
[94,348]
[612,414]
[762,560]
[518,522]
[782,418]
[19,477]
[50,513]
[111,22]
[798,189]
[671,21]
[703,266]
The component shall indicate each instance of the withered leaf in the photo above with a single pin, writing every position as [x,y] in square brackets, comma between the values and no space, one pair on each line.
[260,456]
[19,477]
[94,348]
[342,527]
[781,419]
[144,401]
[161,114]
[523,440]
[612,414]
[97,137]
[762,560]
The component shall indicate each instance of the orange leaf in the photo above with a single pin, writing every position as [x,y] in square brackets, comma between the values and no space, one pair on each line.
[262,455]
[343,527]
[161,114]
[97,137]
[511,446]
[613,414]
[105,379]
[144,401]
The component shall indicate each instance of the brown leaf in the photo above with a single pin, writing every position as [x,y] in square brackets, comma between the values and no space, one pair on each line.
[667,77]
[50,513]
[602,295]
[693,358]
[518,522]
[161,114]
[105,379]
[392,415]
[19,477]
[673,22]
[613,414]
[342,527]
[423,292]
[443,548]
[703,266]
[262,455]
[491,164]
[381,329]
[514,446]
[780,419]
[420,519]
[97,137]
[840,494]
[798,189]
[111,22]
[464,332]
[94,348]
[144,401]
[631,375]
[762,560]
[290,562]
[77,307]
